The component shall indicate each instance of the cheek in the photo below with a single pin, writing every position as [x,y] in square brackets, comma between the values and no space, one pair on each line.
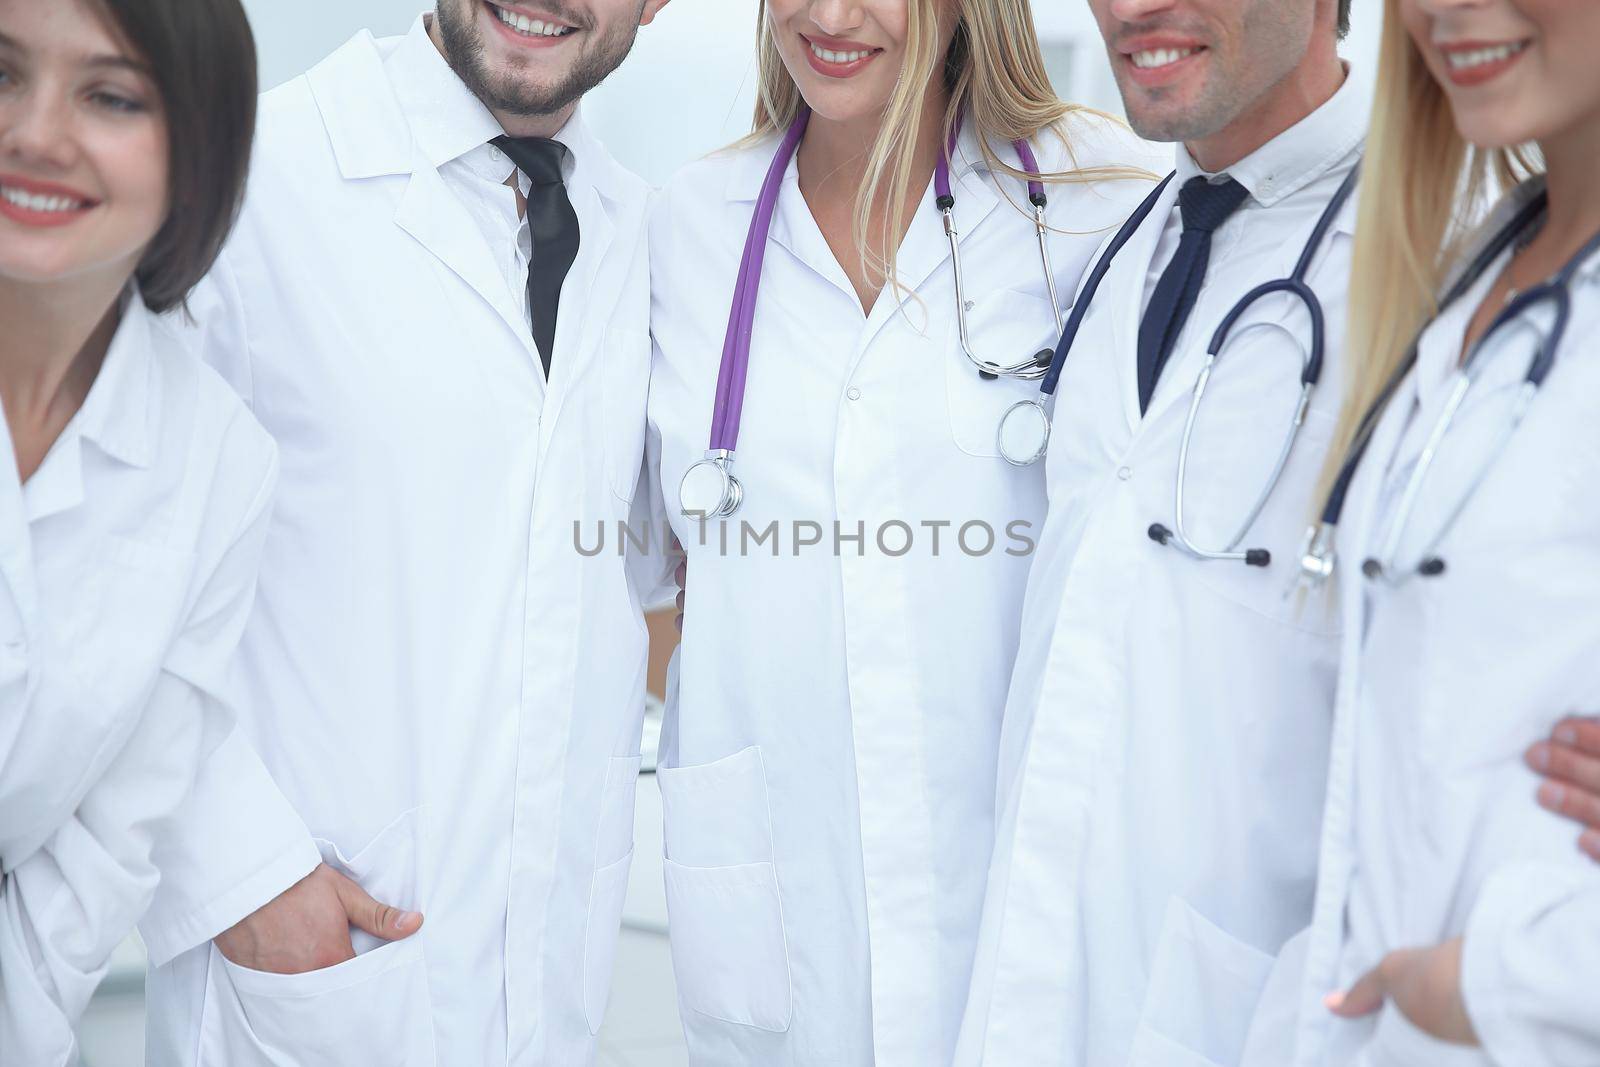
[137,178]
[1568,30]
[891,19]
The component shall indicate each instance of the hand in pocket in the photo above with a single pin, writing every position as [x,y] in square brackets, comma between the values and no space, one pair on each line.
[307,927]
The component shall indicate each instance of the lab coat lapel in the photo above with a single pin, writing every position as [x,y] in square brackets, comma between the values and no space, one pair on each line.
[429,212]
[1127,287]
[588,295]
[925,251]
[16,545]
[371,138]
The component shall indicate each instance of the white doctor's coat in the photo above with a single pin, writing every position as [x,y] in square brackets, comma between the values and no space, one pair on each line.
[1432,830]
[828,778]
[1166,736]
[129,567]
[447,690]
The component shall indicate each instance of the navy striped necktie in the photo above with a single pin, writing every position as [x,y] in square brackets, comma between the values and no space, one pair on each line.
[1205,206]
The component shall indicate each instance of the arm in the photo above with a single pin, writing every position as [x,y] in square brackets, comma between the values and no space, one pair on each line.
[238,863]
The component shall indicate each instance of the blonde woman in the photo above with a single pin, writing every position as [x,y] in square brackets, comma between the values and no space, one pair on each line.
[1455,919]
[828,773]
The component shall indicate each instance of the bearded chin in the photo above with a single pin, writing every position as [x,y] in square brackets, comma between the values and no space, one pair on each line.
[512,92]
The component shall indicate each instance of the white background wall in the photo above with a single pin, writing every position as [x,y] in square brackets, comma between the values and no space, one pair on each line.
[688,88]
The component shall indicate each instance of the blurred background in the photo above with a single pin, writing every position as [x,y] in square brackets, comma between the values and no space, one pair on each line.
[687,89]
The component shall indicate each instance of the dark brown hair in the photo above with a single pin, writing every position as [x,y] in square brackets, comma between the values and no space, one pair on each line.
[202,57]
[1344,17]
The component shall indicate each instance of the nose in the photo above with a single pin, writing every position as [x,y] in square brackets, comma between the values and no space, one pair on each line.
[837,18]
[36,129]
[1139,10]
[1446,7]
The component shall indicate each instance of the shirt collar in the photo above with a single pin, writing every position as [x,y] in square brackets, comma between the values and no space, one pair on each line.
[118,412]
[1301,154]
[447,120]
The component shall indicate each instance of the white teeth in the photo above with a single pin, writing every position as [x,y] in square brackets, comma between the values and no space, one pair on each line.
[1480,56]
[1161,57]
[531,27]
[830,56]
[35,202]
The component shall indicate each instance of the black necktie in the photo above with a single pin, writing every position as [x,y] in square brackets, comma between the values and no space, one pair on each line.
[555,231]
[1205,206]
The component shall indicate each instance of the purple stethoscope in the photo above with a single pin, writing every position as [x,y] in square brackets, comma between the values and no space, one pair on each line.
[709,488]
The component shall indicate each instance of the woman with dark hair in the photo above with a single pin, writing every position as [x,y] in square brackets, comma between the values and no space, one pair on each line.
[134,487]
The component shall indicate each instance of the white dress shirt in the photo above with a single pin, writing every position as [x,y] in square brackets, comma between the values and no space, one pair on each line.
[132,564]
[1165,738]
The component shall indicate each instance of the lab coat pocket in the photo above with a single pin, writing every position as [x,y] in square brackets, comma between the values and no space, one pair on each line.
[1004,327]
[373,1009]
[626,379]
[729,951]
[1398,1043]
[606,897]
[1204,987]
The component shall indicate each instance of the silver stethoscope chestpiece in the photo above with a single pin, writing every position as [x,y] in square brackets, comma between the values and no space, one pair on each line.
[709,490]
[1024,433]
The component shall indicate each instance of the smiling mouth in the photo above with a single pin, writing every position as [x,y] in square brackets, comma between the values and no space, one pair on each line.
[42,203]
[530,27]
[1475,58]
[828,55]
[1156,58]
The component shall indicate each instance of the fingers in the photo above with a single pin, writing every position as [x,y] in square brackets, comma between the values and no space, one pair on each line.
[681,576]
[379,920]
[1579,731]
[1371,989]
[1576,804]
[1565,764]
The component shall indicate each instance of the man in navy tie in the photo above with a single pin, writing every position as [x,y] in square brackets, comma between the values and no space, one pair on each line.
[1166,738]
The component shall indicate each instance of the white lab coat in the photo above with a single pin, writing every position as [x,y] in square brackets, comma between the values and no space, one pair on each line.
[1166,733]
[450,693]
[1432,831]
[132,556]
[828,775]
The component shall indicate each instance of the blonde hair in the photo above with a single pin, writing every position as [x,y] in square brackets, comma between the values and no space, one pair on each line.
[995,76]
[1422,185]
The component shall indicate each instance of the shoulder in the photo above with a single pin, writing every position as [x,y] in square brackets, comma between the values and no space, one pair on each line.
[702,186]
[1106,170]
[207,441]
[1089,140]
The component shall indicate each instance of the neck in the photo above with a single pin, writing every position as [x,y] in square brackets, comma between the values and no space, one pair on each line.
[546,126]
[832,160]
[1306,88]
[55,339]
[515,125]
[1570,161]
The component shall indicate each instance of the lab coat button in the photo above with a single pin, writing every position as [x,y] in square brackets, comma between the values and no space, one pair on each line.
[853,393]
[1125,473]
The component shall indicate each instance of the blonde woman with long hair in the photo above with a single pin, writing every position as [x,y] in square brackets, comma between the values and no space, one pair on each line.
[828,769]
[1456,921]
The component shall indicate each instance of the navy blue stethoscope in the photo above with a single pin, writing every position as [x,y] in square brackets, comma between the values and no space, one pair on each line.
[1319,560]
[1024,433]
